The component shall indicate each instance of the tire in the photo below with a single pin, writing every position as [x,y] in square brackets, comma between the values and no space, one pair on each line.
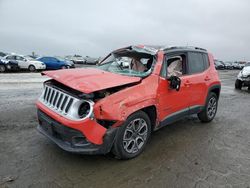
[209,112]
[2,68]
[63,67]
[32,68]
[131,140]
[238,84]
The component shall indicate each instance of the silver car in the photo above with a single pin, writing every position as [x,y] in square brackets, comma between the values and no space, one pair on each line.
[26,62]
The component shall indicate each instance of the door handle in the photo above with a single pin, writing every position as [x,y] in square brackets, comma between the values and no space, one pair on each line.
[207,78]
[187,84]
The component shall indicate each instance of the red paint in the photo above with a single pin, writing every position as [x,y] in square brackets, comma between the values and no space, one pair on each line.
[91,129]
[151,91]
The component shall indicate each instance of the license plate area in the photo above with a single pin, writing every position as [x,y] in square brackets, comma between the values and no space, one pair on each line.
[48,128]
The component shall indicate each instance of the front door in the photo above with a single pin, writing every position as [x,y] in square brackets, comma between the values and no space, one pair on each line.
[173,104]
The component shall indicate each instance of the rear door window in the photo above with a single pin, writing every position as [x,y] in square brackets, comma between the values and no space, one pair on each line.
[205,60]
[11,57]
[19,58]
[195,63]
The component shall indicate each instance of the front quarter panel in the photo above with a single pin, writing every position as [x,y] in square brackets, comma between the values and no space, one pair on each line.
[120,105]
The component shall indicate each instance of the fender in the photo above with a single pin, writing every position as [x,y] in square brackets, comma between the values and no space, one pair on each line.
[127,101]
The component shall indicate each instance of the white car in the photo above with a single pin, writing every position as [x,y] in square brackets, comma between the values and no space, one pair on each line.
[77,59]
[26,62]
[243,78]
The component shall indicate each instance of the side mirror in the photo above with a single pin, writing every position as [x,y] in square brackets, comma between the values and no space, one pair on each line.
[174,82]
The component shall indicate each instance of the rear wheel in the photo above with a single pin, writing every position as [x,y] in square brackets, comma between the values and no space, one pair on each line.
[2,68]
[209,112]
[238,84]
[132,136]
[32,68]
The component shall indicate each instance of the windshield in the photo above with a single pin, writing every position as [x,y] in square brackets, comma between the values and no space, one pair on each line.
[29,58]
[60,58]
[129,64]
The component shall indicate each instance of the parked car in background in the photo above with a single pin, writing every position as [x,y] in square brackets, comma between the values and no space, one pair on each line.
[219,65]
[25,62]
[54,63]
[2,54]
[243,78]
[77,59]
[11,65]
[91,60]
[241,64]
[71,64]
[236,65]
[228,65]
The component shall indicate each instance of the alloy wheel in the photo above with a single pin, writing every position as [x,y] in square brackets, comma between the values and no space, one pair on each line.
[211,107]
[135,135]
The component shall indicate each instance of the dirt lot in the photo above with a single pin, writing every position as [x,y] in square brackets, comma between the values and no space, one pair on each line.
[185,154]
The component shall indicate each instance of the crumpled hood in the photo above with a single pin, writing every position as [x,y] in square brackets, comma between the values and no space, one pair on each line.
[89,80]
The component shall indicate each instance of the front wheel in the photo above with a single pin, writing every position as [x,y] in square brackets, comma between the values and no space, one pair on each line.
[32,68]
[238,84]
[209,111]
[132,136]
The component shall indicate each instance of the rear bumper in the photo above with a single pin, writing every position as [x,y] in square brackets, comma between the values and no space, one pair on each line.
[73,140]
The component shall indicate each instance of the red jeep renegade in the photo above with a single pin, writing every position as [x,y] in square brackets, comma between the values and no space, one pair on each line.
[131,93]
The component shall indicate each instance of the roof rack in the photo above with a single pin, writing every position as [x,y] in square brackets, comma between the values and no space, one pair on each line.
[184,47]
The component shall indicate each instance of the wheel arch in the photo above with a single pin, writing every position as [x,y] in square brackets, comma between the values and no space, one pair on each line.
[31,64]
[152,114]
[215,89]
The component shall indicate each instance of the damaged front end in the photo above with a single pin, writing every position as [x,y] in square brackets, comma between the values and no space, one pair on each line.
[82,109]
[66,116]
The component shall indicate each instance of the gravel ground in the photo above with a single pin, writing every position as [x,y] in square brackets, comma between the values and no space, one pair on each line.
[185,154]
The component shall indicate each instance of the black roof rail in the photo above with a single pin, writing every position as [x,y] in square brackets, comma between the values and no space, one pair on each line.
[185,47]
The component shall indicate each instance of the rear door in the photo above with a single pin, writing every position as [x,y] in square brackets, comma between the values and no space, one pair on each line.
[198,79]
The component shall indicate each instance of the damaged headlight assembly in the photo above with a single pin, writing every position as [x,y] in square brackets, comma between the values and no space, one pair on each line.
[67,105]
[85,109]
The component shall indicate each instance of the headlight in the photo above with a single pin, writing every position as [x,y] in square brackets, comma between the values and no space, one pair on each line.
[84,109]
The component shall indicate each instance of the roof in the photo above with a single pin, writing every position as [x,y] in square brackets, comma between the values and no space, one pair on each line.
[172,48]
[153,49]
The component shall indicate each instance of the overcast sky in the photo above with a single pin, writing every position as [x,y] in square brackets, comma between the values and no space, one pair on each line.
[95,27]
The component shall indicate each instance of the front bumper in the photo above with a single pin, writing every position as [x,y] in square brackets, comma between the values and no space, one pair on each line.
[73,140]
[245,81]
[40,67]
